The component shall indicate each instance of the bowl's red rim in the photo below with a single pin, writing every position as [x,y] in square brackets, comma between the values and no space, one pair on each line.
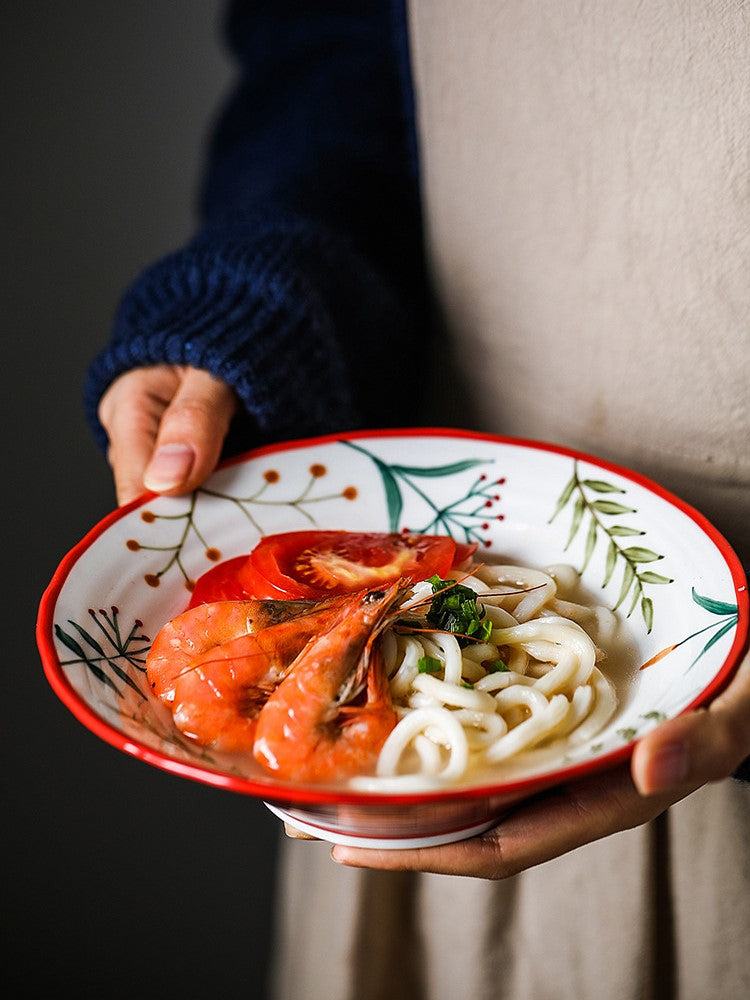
[290,794]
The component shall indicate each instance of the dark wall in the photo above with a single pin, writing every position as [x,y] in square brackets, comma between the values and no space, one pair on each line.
[120,880]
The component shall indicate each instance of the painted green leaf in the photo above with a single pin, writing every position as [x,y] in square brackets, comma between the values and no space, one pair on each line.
[649,577]
[621,530]
[590,543]
[611,563]
[654,716]
[627,733]
[637,591]
[714,606]
[564,497]
[578,510]
[72,645]
[95,669]
[727,627]
[439,470]
[639,555]
[392,494]
[104,678]
[125,677]
[599,486]
[89,638]
[611,507]
[70,642]
[647,610]
[627,579]
[112,620]
[137,657]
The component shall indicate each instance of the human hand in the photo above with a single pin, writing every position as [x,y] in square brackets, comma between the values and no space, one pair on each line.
[166,425]
[670,762]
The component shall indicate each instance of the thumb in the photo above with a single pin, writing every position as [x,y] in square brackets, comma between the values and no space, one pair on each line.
[191,434]
[705,745]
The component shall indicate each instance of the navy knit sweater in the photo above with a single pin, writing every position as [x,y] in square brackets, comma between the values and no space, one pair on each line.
[306,278]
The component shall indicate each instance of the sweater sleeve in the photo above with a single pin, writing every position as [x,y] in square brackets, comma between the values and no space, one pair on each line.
[305,279]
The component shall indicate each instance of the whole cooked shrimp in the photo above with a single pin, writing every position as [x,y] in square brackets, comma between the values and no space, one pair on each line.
[196,631]
[331,714]
[218,698]
[217,695]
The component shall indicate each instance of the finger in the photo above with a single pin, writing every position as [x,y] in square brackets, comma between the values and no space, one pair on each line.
[128,459]
[130,412]
[701,746]
[191,434]
[547,827]
[295,834]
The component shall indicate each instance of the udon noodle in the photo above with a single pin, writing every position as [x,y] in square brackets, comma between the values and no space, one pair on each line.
[533,682]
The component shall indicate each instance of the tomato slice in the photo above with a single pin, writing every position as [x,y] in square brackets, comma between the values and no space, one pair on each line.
[233,580]
[238,579]
[220,583]
[256,585]
[316,564]
[463,551]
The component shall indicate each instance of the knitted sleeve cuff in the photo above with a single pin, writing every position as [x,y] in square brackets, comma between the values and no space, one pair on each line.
[246,310]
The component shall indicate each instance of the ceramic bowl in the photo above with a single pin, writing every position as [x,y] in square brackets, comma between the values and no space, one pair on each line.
[678,589]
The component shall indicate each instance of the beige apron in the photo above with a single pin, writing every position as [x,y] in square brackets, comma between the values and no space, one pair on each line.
[587,191]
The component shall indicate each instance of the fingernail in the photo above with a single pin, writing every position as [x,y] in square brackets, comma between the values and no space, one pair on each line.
[169,467]
[669,767]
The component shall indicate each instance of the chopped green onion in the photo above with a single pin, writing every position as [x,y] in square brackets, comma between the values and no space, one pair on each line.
[499,666]
[456,610]
[480,630]
[429,665]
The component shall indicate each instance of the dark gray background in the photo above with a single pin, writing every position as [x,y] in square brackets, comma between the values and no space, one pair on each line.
[120,880]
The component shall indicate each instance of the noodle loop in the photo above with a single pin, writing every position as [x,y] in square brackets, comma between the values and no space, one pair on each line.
[464,704]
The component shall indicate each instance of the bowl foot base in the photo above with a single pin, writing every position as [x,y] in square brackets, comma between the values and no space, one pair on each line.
[379,843]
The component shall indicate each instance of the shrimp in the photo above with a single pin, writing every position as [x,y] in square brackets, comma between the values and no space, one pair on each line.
[314,726]
[216,696]
[217,701]
[202,628]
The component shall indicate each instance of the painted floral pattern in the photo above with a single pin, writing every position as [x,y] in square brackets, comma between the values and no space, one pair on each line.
[726,617]
[107,651]
[466,514]
[268,494]
[601,517]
